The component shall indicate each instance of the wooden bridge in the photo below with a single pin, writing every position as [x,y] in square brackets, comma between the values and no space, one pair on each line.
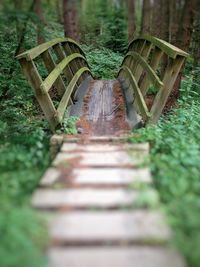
[98,195]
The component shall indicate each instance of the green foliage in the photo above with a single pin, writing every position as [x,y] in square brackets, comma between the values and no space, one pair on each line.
[18,229]
[175,156]
[69,125]
[104,62]
[104,25]
[23,155]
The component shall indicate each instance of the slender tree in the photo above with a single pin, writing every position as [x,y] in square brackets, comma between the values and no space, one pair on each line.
[131,19]
[70,19]
[40,21]
[156,29]
[184,37]
[21,28]
[146,17]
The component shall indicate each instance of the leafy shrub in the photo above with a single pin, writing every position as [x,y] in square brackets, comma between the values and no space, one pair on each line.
[104,62]
[69,125]
[175,157]
[22,237]
[23,157]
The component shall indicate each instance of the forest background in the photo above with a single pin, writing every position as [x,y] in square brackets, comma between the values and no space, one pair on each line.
[104,28]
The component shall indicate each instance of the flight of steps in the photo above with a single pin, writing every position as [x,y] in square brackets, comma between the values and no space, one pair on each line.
[102,209]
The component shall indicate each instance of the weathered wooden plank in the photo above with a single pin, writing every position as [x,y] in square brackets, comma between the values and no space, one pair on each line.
[102,159]
[138,227]
[44,100]
[169,79]
[50,177]
[111,176]
[84,198]
[103,147]
[135,256]
[52,77]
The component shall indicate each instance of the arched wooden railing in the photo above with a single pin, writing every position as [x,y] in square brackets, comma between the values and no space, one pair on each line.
[142,68]
[66,67]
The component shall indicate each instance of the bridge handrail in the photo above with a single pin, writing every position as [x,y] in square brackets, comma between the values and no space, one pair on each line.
[169,49]
[52,77]
[64,76]
[141,105]
[38,50]
[146,57]
[152,75]
[66,97]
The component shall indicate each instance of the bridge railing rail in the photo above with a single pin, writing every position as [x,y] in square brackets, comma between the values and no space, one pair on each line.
[66,67]
[142,68]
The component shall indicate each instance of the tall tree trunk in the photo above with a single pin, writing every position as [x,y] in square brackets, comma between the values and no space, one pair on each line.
[165,11]
[70,19]
[156,29]
[40,21]
[185,32]
[131,19]
[196,38]
[146,17]
[174,20]
[21,30]
[184,38]
[59,11]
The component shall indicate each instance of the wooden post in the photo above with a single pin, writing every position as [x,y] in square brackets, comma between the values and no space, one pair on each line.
[61,55]
[78,62]
[156,56]
[130,61]
[44,100]
[169,79]
[139,49]
[145,54]
[50,65]
[69,51]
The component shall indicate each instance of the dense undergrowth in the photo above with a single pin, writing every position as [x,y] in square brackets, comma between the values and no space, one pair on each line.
[24,138]
[23,158]
[175,163]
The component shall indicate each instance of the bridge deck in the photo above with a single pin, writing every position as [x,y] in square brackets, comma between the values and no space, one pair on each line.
[103,109]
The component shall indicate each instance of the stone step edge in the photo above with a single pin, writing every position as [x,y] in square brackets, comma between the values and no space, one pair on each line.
[57,140]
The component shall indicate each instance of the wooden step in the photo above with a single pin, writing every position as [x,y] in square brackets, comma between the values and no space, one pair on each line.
[100,139]
[111,176]
[101,159]
[68,147]
[136,256]
[85,227]
[50,177]
[99,177]
[85,198]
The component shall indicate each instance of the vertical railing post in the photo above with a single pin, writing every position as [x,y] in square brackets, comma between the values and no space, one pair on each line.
[145,54]
[50,65]
[61,55]
[156,57]
[44,100]
[170,75]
